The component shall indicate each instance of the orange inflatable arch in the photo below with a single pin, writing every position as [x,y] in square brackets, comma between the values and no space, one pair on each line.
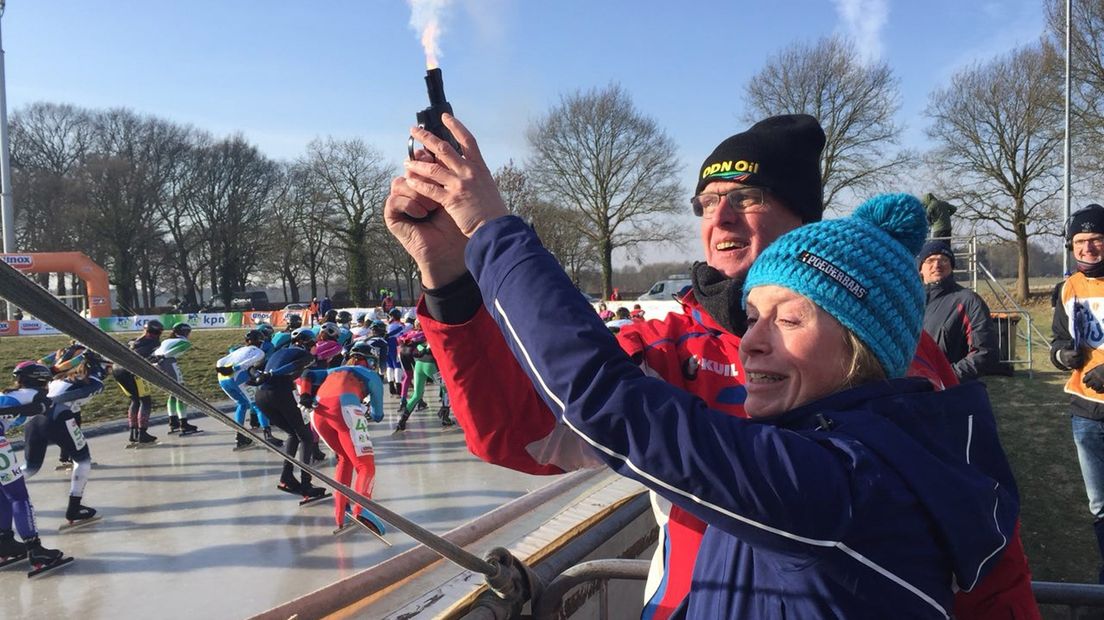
[94,276]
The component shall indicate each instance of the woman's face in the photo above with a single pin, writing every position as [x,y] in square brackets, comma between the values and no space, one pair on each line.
[793,352]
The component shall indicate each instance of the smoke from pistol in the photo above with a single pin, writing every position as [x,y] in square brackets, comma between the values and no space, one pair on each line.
[425,19]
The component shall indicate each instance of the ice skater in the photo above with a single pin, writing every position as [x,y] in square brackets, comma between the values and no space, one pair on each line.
[343,396]
[236,370]
[27,399]
[80,378]
[137,389]
[165,357]
[276,398]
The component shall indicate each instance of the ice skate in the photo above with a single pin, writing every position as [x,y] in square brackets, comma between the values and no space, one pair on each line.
[402,406]
[446,419]
[133,441]
[43,559]
[174,425]
[64,466]
[254,423]
[78,515]
[291,486]
[317,455]
[365,520]
[422,406]
[187,428]
[243,443]
[145,440]
[272,439]
[312,494]
[11,551]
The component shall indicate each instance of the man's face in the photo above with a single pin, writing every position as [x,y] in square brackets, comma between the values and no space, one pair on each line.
[1088,247]
[935,268]
[733,241]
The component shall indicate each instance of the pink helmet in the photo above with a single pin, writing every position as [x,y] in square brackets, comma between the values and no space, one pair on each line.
[326,349]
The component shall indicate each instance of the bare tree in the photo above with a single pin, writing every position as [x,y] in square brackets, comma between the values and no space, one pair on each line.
[353,181]
[48,143]
[231,200]
[855,103]
[598,156]
[1087,86]
[122,179]
[998,130]
[555,225]
[284,247]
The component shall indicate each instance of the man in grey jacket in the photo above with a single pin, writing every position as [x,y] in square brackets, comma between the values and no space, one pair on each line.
[956,317]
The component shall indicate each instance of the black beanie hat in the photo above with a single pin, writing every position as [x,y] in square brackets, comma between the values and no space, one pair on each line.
[935,246]
[1088,219]
[782,154]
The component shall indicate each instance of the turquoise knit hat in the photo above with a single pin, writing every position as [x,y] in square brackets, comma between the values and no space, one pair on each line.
[860,270]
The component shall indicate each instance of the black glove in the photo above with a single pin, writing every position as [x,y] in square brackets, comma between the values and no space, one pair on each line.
[44,400]
[1094,378]
[1070,358]
[306,400]
[259,378]
[225,371]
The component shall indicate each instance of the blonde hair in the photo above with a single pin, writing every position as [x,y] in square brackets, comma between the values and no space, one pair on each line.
[864,366]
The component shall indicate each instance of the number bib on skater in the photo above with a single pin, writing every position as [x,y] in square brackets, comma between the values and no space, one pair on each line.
[76,433]
[9,464]
[358,427]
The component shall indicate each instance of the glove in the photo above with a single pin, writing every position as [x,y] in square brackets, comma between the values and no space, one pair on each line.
[1094,379]
[44,401]
[306,400]
[259,378]
[225,371]
[1070,358]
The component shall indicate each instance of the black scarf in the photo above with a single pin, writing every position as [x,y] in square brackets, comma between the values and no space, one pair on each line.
[1091,270]
[720,296]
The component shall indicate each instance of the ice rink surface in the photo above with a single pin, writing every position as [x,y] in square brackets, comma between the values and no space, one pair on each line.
[192,529]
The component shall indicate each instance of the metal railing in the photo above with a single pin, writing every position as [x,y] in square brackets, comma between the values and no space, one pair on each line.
[1075,597]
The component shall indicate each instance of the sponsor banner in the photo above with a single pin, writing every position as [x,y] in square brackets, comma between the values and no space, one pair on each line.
[132,323]
[256,317]
[19,261]
[220,319]
[116,323]
[35,328]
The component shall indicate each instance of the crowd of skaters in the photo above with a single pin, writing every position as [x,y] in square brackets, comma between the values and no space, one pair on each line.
[319,384]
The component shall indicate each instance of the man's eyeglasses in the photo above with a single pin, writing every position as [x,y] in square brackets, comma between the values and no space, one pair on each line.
[1096,242]
[742,200]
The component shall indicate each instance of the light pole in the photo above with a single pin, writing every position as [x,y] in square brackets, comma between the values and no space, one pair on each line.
[1066,147]
[6,206]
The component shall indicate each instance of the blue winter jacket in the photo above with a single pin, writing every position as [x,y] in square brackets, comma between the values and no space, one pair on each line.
[874,502]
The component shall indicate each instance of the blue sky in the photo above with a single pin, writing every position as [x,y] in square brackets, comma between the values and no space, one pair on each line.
[282,73]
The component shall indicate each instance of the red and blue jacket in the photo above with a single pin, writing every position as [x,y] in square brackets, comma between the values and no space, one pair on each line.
[491,393]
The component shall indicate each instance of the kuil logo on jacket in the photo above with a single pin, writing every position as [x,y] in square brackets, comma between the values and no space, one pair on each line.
[695,363]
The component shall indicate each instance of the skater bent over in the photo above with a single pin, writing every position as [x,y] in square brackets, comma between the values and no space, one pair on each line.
[26,399]
[425,367]
[339,417]
[234,371]
[165,357]
[80,379]
[136,387]
[276,399]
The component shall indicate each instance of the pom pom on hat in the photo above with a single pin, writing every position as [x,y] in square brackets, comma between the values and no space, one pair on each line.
[860,270]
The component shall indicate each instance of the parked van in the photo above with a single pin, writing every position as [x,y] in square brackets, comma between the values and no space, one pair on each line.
[667,288]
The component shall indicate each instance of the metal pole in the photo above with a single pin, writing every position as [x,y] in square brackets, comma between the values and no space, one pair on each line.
[1066,197]
[7,219]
